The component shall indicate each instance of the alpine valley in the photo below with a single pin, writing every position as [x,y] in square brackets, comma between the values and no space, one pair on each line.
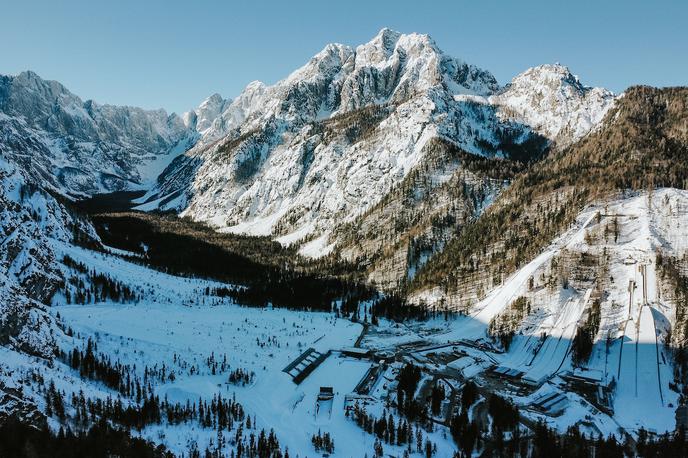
[386,253]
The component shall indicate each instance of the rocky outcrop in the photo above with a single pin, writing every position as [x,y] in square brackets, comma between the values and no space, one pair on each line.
[82,147]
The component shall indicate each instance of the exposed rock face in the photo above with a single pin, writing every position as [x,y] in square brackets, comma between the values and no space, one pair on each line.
[81,148]
[305,159]
[554,103]
[30,221]
[394,238]
[14,405]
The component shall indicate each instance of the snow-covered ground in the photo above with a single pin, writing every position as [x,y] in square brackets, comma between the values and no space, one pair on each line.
[258,340]
[634,358]
[176,323]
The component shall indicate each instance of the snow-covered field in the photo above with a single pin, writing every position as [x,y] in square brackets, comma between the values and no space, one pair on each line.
[258,340]
[177,325]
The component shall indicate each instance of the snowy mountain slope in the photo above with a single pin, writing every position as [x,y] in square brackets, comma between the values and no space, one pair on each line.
[176,324]
[414,220]
[329,142]
[30,219]
[200,339]
[587,271]
[81,147]
[568,268]
[639,145]
[554,103]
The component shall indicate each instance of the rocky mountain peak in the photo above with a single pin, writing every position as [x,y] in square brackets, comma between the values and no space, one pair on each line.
[553,76]
[554,102]
[208,111]
[392,67]
[80,148]
[379,49]
[331,139]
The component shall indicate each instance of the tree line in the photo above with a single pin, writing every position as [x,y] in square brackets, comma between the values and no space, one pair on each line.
[94,286]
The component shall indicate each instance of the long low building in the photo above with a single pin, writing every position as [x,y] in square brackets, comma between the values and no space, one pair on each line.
[356,352]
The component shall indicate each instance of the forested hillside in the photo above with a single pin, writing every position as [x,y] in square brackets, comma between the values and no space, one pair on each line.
[642,144]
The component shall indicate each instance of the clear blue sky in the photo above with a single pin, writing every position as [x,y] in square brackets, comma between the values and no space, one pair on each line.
[172,54]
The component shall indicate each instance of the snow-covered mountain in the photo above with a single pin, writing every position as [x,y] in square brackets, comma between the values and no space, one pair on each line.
[613,285]
[554,103]
[299,158]
[28,273]
[31,220]
[80,147]
[630,150]
[569,274]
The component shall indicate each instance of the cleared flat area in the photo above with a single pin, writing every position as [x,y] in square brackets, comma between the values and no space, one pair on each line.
[155,333]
